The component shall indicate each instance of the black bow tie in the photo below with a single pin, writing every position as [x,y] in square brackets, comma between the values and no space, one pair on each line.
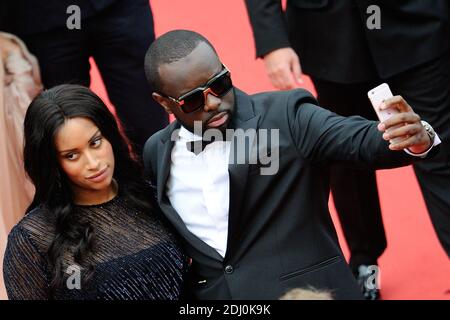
[197,146]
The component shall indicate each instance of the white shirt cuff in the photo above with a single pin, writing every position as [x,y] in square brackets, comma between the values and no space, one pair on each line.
[436,141]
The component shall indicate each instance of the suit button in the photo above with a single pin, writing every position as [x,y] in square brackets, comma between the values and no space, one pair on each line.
[229,269]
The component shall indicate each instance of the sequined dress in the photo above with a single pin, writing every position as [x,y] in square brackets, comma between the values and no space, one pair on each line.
[136,257]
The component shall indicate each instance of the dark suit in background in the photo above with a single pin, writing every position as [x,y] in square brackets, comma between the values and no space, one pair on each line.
[116,33]
[280,233]
[345,59]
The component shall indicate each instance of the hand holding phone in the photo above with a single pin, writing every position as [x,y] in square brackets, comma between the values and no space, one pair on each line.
[377,96]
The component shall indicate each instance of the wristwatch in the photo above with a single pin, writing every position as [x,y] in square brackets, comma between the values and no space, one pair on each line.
[430,131]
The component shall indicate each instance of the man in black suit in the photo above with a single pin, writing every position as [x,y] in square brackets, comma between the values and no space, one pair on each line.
[256,228]
[349,47]
[116,33]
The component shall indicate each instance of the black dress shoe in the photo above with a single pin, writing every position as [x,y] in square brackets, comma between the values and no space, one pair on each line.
[368,280]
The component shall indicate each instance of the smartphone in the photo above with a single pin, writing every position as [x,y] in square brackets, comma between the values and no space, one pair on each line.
[377,96]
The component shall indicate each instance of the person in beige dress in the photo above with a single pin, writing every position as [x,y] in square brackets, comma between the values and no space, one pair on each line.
[20,83]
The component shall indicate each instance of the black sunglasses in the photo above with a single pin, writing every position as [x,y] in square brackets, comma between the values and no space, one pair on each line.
[219,85]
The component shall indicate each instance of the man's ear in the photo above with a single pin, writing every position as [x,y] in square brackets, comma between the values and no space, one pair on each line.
[162,101]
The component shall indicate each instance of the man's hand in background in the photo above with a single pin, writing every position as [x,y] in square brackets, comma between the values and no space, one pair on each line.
[283,68]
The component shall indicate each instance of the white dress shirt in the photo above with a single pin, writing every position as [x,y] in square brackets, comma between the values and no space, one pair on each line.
[199,189]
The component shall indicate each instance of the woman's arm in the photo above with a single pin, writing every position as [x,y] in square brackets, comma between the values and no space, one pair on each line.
[25,268]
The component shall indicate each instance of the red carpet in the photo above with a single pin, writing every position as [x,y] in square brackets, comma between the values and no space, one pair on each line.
[414,266]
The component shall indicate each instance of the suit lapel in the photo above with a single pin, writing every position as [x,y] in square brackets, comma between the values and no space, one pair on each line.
[245,119]
[165,147]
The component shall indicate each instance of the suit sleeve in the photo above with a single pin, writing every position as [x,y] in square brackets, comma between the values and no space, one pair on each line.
[323,136]
[268,25]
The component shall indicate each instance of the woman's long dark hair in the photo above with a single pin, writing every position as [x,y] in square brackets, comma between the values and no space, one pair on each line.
[45,115]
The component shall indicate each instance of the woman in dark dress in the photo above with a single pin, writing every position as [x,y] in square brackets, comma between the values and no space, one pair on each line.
[93,230]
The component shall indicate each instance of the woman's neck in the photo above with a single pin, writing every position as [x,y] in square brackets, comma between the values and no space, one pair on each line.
[90,197]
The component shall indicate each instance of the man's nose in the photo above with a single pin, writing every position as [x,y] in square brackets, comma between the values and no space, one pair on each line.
[212,102]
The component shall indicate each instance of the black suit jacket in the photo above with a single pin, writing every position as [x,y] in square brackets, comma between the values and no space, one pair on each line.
[280,234]
[334,43]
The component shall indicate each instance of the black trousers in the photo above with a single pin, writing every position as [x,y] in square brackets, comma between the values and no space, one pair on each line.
[117,38]
[426,88]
